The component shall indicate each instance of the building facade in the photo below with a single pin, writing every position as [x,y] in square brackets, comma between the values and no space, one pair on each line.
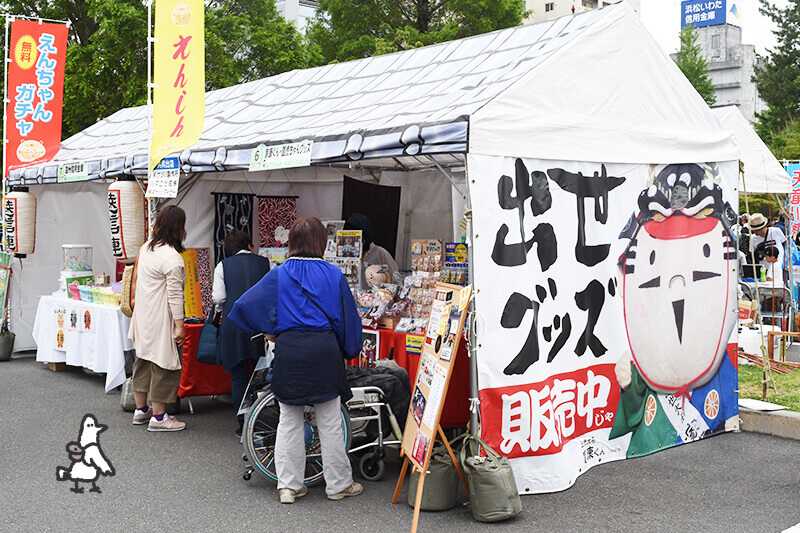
[731,66]
[548,9]
[299,11]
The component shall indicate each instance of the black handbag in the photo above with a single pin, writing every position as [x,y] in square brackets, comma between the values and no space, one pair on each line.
[207,343]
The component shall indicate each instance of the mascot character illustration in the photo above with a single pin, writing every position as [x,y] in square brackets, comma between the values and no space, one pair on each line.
[679,297]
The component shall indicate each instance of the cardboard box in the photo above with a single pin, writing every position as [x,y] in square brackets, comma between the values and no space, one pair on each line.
[387,323]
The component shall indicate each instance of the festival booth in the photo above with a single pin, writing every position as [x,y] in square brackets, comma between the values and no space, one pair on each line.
[596,189]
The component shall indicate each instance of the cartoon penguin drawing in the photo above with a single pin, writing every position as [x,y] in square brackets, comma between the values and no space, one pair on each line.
[88,460]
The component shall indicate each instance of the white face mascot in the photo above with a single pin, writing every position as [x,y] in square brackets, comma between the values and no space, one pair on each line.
[679,276]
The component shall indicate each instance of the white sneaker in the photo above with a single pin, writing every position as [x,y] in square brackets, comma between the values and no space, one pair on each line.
[140,418]
[169,423]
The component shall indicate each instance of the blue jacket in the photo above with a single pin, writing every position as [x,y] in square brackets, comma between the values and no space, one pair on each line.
[308,366]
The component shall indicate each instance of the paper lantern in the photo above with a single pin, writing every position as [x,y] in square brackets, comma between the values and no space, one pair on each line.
[126,214]
[19,218]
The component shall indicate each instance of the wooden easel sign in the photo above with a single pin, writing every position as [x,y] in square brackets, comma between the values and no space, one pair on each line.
[442,338]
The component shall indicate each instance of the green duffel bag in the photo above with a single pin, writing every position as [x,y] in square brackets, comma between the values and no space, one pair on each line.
[493,492]
[440,489]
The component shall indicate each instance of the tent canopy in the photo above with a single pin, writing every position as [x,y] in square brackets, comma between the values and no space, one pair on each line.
[587,87]
[762,172]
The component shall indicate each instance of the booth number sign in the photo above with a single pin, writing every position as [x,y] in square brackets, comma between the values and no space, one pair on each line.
[163,181]
[281,156]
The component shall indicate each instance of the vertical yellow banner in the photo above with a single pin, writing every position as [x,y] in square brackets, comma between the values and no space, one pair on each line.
[179,104]
[192,291]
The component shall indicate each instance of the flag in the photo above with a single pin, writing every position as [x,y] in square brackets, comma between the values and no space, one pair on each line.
[735,11]
[179,75]
[35,92]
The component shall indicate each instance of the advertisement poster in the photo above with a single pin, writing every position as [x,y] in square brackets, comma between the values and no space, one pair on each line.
[608,301]
[35,92]
[433,376]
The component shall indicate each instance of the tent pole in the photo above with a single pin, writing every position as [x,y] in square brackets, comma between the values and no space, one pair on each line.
[150,41]
[472,340]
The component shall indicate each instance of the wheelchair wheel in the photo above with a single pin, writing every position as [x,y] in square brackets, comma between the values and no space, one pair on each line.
[261,427]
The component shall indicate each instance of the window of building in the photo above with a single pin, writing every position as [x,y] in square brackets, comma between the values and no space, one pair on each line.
[549,6]
[715,41]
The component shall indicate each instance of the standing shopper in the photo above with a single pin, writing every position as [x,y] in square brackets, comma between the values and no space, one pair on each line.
[157,324]
[232,277]
[306,308]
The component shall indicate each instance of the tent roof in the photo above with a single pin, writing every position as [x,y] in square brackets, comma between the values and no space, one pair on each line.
[402,109]
[762,172]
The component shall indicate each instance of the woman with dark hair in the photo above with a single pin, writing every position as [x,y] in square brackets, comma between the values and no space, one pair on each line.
[232,277]
[306,308]
[157,324]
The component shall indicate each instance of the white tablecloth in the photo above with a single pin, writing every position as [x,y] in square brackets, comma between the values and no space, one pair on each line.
[101,348]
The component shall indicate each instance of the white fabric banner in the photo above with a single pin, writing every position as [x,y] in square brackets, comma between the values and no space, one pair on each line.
[606,303]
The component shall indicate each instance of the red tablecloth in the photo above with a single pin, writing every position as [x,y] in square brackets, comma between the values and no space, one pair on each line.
[455,413]
[198,379]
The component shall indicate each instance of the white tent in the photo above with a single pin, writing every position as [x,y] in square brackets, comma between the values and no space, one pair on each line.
[589,95]
[762,172]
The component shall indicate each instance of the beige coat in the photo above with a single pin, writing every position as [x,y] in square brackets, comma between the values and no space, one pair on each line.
[159,300]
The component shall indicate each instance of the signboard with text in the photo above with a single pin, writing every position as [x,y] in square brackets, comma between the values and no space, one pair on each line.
[35,92]
[700,13]
[793,169]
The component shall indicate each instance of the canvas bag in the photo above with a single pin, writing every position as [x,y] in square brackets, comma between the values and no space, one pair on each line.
[127,297]
[440,490]
[493,492]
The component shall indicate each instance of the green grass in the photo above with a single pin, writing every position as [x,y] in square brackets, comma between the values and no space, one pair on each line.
[786,391]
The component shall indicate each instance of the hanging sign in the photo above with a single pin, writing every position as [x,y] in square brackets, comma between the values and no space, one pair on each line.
[72,172]
[35,92]
[793,169]
[281,156]
[163,181]
[179,75]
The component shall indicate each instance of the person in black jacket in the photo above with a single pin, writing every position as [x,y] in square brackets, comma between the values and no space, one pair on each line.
[232,277]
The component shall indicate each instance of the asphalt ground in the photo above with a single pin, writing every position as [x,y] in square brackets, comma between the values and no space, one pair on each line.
[192,480]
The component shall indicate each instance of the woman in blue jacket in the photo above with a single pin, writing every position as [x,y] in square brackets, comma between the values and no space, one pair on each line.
[306,308]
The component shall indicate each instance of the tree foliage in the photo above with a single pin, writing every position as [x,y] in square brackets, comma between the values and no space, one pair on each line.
[694,66]
[785,143]
[106,63]
[353,29]
[778,80]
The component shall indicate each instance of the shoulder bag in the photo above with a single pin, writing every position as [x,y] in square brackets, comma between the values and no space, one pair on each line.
[209,337]
[127,298]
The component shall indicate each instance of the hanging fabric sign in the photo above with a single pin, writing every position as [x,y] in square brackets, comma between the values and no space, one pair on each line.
[275,213]
[231,211]
[179,74]
[607,295]
[35,92]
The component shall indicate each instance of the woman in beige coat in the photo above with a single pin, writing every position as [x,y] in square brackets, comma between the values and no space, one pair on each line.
[157,325]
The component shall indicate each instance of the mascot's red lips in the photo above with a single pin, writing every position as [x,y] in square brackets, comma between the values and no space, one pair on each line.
[680,227]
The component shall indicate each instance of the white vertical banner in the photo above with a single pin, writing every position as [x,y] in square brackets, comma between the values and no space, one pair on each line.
[607,298]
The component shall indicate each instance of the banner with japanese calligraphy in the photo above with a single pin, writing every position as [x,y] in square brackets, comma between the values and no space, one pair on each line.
[179,74]
[607,299]
[35,92]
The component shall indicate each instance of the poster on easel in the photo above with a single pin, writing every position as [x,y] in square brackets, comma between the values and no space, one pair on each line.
[430,389]
[435,368]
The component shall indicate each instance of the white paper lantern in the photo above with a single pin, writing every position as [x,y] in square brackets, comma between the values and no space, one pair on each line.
[19,217]
[126,214]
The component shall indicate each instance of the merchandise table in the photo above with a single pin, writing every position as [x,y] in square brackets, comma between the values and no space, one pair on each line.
[199,379]
[89,335]
[455,413]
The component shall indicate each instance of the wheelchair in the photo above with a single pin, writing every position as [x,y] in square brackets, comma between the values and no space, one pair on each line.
[359,415]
